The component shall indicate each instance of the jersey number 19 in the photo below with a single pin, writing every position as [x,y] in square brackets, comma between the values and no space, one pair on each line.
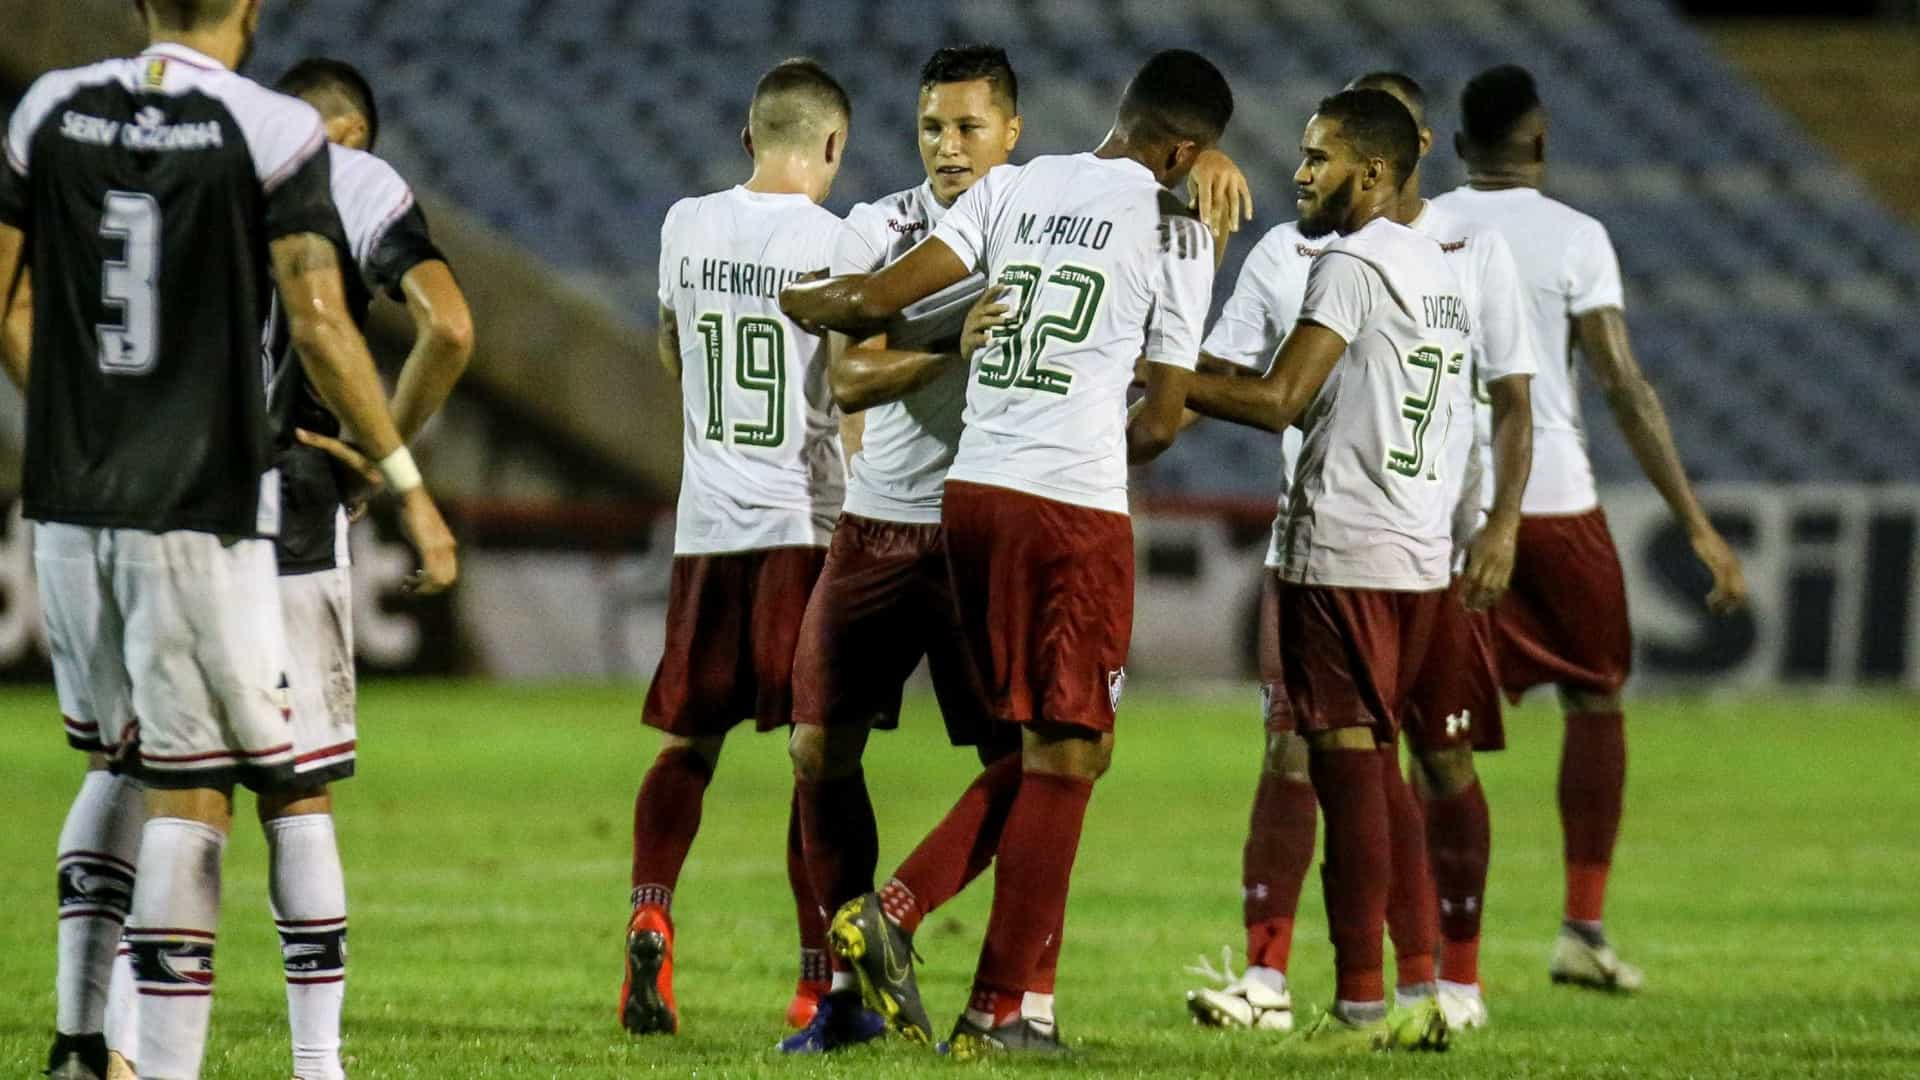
[759,367]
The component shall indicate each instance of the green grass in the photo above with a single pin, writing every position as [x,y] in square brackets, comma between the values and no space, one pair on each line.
[1767,880]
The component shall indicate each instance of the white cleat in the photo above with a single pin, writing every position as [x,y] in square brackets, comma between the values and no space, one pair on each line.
[1596,967]
[1462,1005]
[1257,1000]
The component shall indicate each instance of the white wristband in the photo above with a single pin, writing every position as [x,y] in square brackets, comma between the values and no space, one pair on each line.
[401,474]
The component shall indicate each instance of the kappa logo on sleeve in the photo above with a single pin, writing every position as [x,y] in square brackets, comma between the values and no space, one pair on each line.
[906,228]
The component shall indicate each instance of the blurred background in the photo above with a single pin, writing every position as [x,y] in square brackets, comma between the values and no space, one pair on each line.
[1758,165]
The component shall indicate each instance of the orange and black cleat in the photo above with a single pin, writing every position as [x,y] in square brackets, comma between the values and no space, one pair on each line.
[646,998]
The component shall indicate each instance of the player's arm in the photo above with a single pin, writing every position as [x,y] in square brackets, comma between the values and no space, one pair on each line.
[337,363]
[16,322]
[666,339]
[1275,400]
[442,345]
[1602,337]
[853,303]
[1490,556]
[868,373]
[1158,418]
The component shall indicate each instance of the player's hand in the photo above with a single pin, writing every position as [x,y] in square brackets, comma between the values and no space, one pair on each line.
[365,480]
[424,528]
[987,315]
[1729,580]
[1490,563]
[1218,190]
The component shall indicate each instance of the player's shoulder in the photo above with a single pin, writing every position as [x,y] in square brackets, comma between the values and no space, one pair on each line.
[369,193]
[1379,238]
[1284,244]
[51,89]
[282,132]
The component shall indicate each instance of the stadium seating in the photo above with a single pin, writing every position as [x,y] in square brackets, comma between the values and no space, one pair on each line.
[1766,287]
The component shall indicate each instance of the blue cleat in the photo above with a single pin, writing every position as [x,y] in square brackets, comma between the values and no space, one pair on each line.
[840,1021]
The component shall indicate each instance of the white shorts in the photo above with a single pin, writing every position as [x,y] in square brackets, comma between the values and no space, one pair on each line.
[318,608]
[169,652]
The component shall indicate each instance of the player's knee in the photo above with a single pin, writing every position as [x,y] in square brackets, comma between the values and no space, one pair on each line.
[807,746]
[1343,739]
[208,806]
[1286,756]
[1575,701]
[1066,751]
[1445,773]
[705,747]
[98,761]
[293,802]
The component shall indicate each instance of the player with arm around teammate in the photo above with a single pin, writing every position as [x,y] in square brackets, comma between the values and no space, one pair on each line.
[133,190]
[761,485]
[1103,265]
[1564,621]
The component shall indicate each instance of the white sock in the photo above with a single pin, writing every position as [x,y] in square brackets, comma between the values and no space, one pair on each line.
[1272,978]
[123,1009]
[309,894]
[1463,989]
[842,981]
[1037,1009]
[176,906]
[98,848]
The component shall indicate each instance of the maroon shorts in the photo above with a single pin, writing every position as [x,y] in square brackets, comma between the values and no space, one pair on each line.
[1564,619]
[1348,656]
[883,602]
[1273,672]
[732,624]
[1454,702]
[1045,594]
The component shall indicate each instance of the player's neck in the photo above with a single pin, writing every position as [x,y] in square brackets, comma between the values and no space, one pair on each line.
[786,175]
[1118,147]
[1410,205]
[1504,178]
[218,45]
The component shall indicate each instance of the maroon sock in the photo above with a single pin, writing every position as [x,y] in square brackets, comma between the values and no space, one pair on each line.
[807,910]
[1048,965]
[1413,916]
[1593,781]
[1459,841]
[842,841]
[1274,865]
[957,849]
[666,815]
[1358,869]
[1031,873]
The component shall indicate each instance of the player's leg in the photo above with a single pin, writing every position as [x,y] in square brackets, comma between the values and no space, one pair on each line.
[1592,790]
[1275,859]
[1413,916]
[171,933]
[1459,840]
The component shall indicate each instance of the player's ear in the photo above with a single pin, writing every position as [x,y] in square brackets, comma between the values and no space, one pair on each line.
[252,22]
[836,145]
[746,142]
[1013,133]
[1426,142]
[1540,148]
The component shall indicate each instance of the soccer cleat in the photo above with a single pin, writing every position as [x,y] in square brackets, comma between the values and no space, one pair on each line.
[882,958]
[805,1004]
[78,1057]
[1256,1000]
[1331,1033]
[971,1042]
[841,1020]
[1462,1005]
[1420,1026]
[646,998]
[1580,960]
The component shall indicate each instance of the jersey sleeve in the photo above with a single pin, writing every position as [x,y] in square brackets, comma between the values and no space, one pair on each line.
[397,249]
[1341,292]
[15,205]
[1182,291]
[1593,271]
[15,202]
[967,225]
[668,270]
[1251,326]
[855,249]
[1502,339]
[303,203]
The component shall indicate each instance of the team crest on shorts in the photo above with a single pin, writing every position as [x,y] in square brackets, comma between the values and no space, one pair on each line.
[1116,685]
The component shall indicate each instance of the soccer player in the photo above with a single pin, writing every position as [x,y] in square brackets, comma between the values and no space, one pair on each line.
[1453,704]
[149,196]
[391,251]
[759,492]
[1379,351]
[1564,622]
[1102,267]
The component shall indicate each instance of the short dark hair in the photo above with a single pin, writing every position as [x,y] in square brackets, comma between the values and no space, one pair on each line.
[1400,85]
[1180,95]
[1376,125]
[1494,102]
[792,98]
[318,75]
[967,63]
[186,14]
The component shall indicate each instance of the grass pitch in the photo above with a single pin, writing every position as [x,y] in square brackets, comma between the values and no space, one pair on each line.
[1768,879]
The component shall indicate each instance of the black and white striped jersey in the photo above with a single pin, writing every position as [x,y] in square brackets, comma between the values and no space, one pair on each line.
[386,237]
[149,189]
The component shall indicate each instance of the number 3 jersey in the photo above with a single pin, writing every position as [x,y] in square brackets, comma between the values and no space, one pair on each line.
[149,188]
[1372,500]
[761,466]
[1102,267]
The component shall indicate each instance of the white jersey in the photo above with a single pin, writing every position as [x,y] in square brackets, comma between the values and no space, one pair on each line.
[1372,499]
[762,464]
[1567,269]
[909,444]
[1272,285]
[1103,266]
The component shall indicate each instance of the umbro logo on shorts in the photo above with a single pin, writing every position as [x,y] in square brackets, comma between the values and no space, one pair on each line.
[1116,685]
